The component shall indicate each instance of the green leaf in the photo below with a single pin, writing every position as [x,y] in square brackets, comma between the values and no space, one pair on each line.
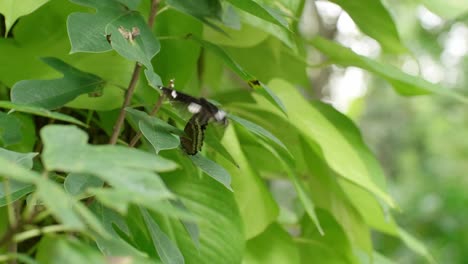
[50,94]
[204,10]
[65,148]
[142,48]
[334,131]
[66,249]
[40,112]
[213,169]
[10,129]
[87,32]
[23,159]
[374,20]
[17,189]
[416,245]
[128,170]
[258,208]
[274,245]
[62,206]
[76,184]
[334,246]
[258,130]
[12,10]
[262,11]
[403,83]
[159,139]
[166,248]
[221,224]
[252,81]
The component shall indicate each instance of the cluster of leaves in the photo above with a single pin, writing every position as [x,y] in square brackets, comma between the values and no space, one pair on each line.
[73,196]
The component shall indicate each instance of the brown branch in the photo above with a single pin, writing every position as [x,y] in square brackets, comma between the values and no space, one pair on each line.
[152,113]
[133,82]
[12,230]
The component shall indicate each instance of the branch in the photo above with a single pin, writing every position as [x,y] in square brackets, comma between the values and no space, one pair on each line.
[133,82]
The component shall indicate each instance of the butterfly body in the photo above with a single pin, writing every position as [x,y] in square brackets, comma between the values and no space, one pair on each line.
[203,112]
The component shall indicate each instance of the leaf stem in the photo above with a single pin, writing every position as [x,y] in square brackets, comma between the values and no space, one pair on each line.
[133,82]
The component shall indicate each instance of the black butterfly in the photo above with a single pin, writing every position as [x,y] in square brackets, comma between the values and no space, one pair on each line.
[203,112]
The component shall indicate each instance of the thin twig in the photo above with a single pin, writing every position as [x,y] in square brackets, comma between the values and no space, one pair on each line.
[10,232]
[133,82]
[153,112]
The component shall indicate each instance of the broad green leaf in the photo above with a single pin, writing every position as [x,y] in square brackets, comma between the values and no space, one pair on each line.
[65,148]
[204,10]
[153,79]
[333,131]
[403,83]
[128,170]
[12,10]
[88,31]
[334,246]
[62,206]
[416,245]
[144,45]
[50,94]
[17,189]
[252,81]
[166,248]
[76,184]
[257,207]
[221,224]
[10,129]
[40,112]
[374,20]
[66,249]
[274,245]
[258,130]
[262,11]
[157,137]
[23,159]
[213,170]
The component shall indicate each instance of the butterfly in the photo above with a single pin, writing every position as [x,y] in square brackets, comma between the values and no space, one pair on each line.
[203,112]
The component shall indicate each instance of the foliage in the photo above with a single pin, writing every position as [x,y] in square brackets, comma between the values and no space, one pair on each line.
[75,189]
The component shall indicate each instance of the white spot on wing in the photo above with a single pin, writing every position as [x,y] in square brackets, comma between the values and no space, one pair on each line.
[174,94]
[220,115]
[194,108]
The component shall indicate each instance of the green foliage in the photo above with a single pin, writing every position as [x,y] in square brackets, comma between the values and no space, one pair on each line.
[87,199]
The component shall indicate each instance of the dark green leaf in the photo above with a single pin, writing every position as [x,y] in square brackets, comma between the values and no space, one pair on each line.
[262,11]
[50,94]
[213,169]
[40,112]
[76,184]
[10,129]
[62,249]
[166,248]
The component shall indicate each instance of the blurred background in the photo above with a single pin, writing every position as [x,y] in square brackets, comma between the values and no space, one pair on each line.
[421,142]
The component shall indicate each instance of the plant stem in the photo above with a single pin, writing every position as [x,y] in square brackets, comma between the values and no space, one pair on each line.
[156,108]
[133,82]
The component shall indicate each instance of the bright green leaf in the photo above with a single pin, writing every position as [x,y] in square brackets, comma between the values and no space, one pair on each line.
[159,139]
[67,249]
[374,20]
[13,9]
[262,11]
[403,83]
[50,94]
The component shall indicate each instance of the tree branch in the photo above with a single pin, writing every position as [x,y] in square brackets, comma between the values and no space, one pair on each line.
[133,82]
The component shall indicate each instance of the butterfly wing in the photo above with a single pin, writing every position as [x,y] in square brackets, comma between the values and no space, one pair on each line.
[194,130]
